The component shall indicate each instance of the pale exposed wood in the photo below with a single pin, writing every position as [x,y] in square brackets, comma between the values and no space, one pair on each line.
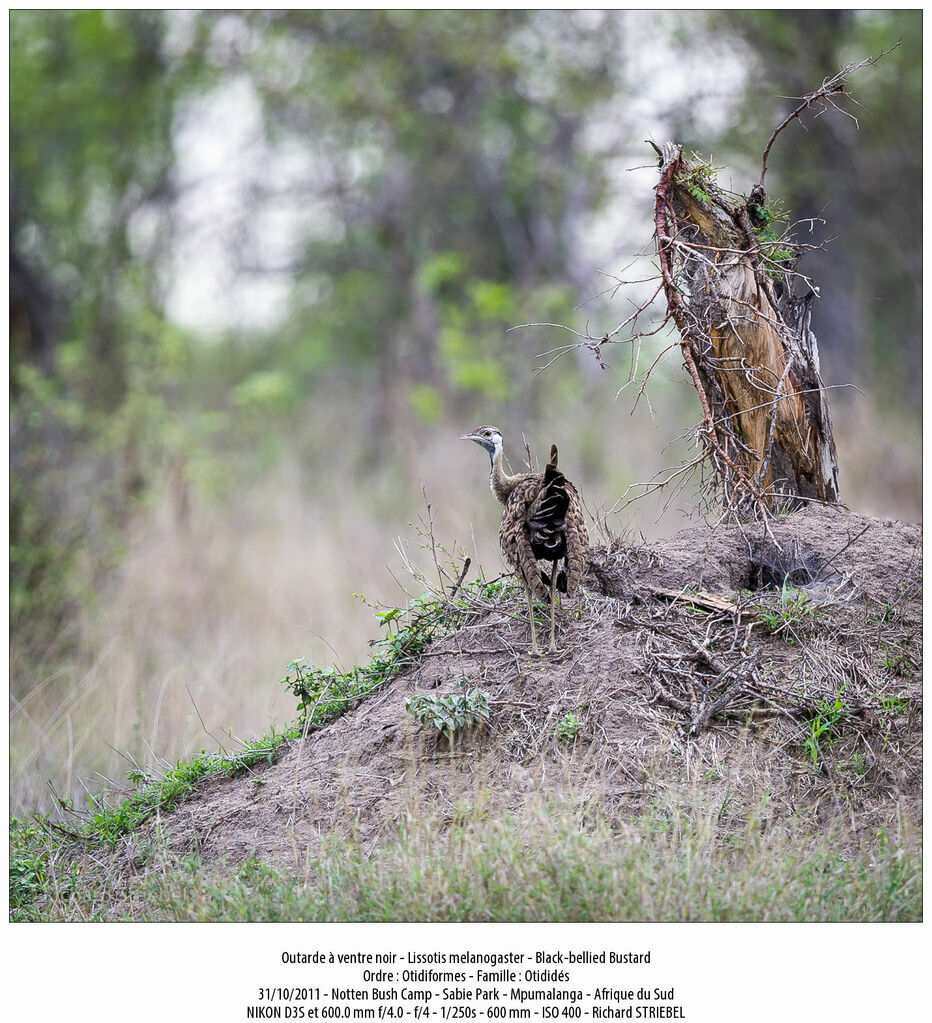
[747,343]
[699,598]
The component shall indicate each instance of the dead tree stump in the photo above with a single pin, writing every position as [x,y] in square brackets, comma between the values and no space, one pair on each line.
[742,311]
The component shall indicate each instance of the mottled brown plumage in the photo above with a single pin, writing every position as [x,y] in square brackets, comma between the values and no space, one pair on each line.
[542,522]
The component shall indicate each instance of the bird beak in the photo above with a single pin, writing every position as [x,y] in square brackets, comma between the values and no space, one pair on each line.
[467,436]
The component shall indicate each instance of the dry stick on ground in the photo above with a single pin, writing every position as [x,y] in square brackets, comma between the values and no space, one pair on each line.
[730,681]
[742,673]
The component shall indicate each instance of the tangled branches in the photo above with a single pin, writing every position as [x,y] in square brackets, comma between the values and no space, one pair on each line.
[746,342]
[731,287]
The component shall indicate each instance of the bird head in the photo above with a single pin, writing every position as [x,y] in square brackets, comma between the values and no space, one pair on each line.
[488,437]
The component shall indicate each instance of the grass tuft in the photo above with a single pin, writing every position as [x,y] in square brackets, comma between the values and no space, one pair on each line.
[545,864]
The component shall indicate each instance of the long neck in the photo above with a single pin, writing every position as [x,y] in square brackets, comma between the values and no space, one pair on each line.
[501,483]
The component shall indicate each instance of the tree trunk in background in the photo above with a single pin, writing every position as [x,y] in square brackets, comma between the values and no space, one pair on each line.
[747,342]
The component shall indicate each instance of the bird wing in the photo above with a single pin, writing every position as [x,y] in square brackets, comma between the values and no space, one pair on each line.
[577,539]
[543,519]
[514,535]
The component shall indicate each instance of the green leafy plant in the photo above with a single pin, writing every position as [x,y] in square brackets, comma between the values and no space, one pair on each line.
[776,248]
[894,704]
[793,609]
[892,661]
[568,728]
[823,727]
[324,694]
[449,714]
[697,181]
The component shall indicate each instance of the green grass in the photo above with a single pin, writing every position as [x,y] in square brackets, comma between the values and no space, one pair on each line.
[822,729]
[544,865]
[789,611]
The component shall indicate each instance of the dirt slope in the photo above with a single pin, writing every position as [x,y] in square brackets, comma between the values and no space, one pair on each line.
[715,705]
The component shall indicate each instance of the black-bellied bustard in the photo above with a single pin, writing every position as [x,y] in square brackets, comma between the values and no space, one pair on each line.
[542,522]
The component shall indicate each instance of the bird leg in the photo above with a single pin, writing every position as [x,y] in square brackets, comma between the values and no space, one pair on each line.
[553,596]
[535,649]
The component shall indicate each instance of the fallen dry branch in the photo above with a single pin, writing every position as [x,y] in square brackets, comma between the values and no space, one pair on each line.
[698,598]
[678,679]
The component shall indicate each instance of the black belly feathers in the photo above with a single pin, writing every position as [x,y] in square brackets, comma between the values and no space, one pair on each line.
[546,521]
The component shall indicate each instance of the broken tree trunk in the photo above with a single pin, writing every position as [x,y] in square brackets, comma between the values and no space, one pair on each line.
[731,288]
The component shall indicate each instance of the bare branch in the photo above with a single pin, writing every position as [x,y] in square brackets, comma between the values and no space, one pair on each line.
[830,88]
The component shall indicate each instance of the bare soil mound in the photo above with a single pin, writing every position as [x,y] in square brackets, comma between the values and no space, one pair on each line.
[778,670]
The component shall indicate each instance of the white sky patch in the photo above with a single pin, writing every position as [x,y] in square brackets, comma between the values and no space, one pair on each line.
[659,79]
[239,221]
[247,207]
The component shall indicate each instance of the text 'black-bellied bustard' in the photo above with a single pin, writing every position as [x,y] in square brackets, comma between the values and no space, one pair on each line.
[542,521]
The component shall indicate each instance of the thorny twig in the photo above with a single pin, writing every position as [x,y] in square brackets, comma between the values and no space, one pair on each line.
[824,97]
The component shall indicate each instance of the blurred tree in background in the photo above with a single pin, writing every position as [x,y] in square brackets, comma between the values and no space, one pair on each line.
[440,168]
[445,163]
[418,182]
[93,359]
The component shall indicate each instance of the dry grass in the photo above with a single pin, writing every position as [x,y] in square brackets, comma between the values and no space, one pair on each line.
[196,627]
[550,862]
[196,631]
[879,459]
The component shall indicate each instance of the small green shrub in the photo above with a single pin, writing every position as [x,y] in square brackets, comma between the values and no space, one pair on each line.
[449,714]
[698,180]
[568,728]
[793,609]
[324,694]
[776,247]
[894,704]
